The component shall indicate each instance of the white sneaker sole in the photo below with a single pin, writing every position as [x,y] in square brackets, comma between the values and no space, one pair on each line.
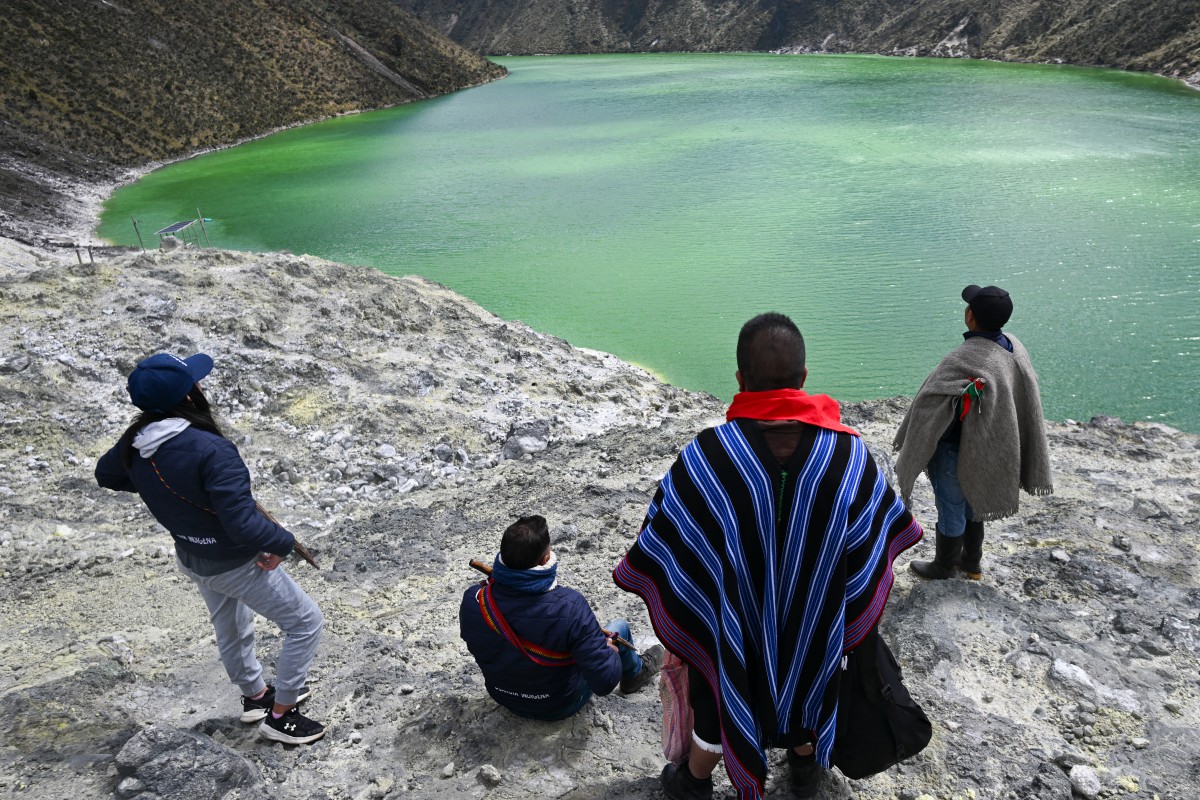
[267,732]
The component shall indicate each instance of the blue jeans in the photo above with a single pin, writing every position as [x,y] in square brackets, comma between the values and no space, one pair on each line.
[953,510]
[631,662]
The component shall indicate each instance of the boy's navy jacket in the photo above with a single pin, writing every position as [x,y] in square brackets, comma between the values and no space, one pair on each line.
[559,620]
[207,504]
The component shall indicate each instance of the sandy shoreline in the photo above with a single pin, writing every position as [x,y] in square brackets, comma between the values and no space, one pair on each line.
[93,195]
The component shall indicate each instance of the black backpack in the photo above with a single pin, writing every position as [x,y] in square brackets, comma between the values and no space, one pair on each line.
[878,724]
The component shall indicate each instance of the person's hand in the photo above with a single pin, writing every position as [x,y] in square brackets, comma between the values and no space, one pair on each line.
[269,561]
[609,641]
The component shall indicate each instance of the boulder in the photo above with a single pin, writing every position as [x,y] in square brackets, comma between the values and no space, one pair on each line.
[167,762]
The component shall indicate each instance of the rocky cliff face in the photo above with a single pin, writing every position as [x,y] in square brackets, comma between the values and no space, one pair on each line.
[1127,34]
[397,428]
[89,88]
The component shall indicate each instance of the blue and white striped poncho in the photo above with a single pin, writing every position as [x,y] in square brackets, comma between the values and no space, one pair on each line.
[761,576]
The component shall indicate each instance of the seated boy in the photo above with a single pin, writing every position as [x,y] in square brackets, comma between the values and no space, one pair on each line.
[541,649]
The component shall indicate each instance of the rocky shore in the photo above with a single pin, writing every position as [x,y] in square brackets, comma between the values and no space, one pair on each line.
[396,428]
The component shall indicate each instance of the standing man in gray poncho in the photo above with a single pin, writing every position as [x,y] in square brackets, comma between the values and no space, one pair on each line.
[976,427]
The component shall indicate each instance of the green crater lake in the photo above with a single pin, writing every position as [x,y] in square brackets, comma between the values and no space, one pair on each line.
[647,205]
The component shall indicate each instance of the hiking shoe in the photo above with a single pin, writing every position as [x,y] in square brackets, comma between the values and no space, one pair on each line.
[254,710]
[806,774]
[651,664]
[678,783]
[292,728]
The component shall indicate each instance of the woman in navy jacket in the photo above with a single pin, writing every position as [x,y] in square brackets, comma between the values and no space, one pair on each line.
[193,481]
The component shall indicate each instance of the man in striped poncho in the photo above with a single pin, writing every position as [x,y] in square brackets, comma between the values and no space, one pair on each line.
[765,556]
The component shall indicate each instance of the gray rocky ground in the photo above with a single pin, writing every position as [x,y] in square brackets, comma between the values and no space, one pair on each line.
[397,428]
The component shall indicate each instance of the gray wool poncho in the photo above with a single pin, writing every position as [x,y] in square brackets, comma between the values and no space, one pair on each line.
[1003,447]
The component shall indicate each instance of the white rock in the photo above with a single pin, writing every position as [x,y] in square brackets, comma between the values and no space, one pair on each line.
[1076,676]
[1085,781]
[489,775]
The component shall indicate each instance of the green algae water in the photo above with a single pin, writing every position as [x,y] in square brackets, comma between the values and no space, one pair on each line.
[647,205]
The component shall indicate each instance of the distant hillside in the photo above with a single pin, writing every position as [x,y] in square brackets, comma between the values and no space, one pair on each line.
[91,86]
[1154,35]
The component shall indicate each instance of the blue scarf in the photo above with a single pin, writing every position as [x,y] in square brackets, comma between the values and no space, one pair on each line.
[534,580]
[995,336]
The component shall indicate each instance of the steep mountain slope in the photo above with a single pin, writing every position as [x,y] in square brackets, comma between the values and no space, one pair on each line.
[92,86]
[1129,34]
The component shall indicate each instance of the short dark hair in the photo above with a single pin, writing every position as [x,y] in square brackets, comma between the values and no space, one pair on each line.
[525,542]
[770,353]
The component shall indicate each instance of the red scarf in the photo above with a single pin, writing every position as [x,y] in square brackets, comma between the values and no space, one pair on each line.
[791,404]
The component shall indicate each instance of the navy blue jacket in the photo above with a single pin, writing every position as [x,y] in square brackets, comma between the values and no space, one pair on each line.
[207,507]
[560,620]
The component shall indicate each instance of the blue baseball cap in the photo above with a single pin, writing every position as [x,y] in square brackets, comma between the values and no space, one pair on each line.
[163,380]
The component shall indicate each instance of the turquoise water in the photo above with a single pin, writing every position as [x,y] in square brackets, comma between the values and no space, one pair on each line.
[648,205]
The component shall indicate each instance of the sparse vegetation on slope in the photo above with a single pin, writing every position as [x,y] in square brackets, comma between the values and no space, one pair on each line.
[87,88]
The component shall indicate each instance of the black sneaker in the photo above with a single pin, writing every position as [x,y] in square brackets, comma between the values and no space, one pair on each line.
[806,774]
[254,710]
[651,664]
[678,783]
[292,728]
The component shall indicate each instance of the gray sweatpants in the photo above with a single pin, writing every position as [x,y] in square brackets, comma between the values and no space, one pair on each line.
[233,598]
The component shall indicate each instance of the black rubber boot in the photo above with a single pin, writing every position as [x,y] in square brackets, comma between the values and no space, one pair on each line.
[944,561]
[806,774]
[972,551]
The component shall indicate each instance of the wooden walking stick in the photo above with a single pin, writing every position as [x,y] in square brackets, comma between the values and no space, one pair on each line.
[486,570]
[297,546]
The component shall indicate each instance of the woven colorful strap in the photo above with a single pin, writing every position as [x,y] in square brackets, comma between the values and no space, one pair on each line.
[972,393]
[496,621]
